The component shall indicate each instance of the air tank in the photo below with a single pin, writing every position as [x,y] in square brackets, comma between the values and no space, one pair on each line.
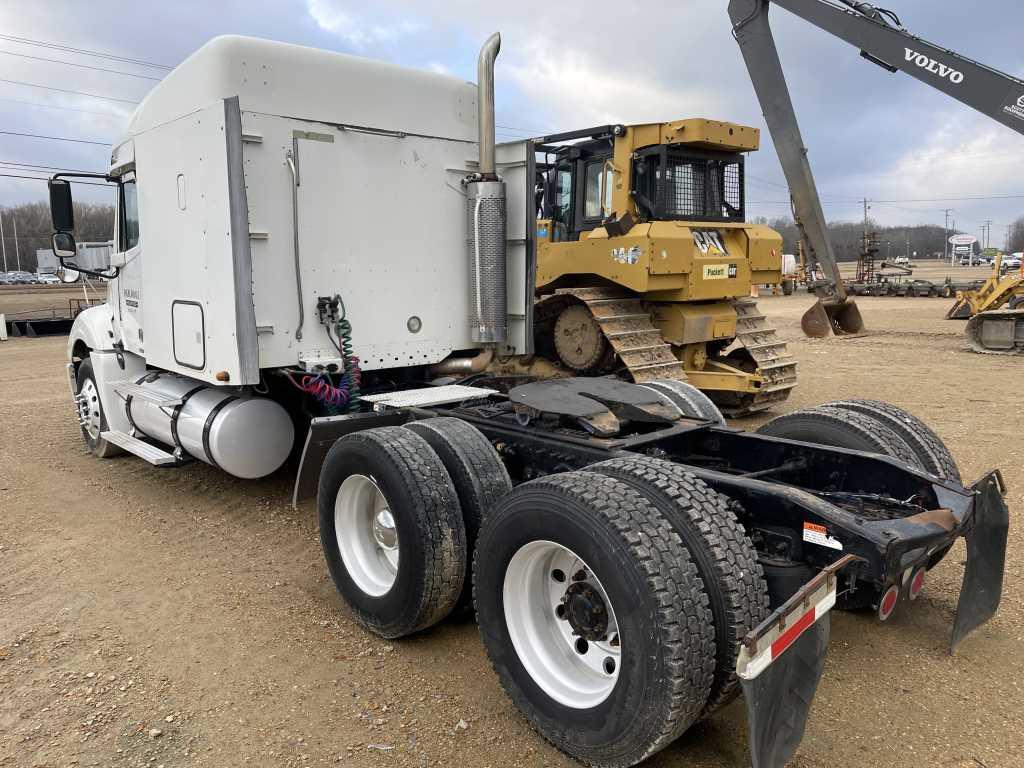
[246,436]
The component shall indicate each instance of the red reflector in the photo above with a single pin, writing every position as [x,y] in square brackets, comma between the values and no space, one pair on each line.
[783,641]
[888,604]
[916,583]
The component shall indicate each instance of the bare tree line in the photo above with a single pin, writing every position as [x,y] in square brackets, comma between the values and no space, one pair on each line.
[925,240]
[92,223]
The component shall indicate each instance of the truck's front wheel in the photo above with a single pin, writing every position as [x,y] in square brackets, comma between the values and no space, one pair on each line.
[90,413]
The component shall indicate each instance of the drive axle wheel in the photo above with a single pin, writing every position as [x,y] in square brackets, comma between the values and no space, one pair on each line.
[720,548]
[594,617]
[391,530]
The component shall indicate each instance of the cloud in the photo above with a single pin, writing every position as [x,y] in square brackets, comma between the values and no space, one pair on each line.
[331,17]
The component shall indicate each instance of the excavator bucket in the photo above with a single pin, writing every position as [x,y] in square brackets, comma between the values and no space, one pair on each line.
[961,309]
[827,317]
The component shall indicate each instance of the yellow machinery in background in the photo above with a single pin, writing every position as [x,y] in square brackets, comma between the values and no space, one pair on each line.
[998,290]
[645,264]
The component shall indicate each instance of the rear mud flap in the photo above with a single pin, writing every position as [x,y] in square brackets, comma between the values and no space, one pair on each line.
[779,699]
[780,664]
[986,559]
[829,317]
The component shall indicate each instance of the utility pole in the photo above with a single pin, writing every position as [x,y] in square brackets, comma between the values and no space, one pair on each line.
[988,231]
[945,245]
[17,251]
[3,241]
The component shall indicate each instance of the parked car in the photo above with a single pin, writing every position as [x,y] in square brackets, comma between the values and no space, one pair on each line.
[47,279]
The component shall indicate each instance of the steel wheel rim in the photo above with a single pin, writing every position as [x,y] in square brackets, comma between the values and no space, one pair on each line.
[366,534]
[90,409]
[576,675]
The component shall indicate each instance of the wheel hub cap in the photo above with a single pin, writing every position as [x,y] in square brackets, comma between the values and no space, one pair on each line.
[586,611]
[384,529]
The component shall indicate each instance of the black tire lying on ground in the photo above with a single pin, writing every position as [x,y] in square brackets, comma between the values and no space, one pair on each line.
[933,454]
[425,518]
[843,429]
[687,398]
[479,476]
[624,549]
[720,548]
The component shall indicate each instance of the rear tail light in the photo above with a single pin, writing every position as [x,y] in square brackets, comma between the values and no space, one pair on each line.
[916,583]
[887,604]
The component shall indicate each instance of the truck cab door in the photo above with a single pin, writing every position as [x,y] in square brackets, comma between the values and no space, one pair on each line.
[128,257]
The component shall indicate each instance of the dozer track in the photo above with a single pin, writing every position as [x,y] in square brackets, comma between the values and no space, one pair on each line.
[631,333]
[628,326]
[997,332]
[771,354]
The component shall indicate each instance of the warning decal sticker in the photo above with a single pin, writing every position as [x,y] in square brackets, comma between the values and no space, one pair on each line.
[818,534]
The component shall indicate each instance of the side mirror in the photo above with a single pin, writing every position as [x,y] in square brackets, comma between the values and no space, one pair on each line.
[62,211]
[64,246]
[68,275]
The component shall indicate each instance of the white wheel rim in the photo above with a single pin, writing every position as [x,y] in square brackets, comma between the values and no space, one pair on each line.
[89,408]
[366,534]
[576,674]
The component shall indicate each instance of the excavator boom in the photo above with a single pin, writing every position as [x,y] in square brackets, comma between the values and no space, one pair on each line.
[882,40]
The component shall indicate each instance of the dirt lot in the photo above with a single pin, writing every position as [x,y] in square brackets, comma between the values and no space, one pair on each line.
[182,618]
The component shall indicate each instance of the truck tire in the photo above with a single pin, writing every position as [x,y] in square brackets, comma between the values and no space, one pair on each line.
[842,429]
[687,398]
[96,418]
[788,286]
[594,617]
[933,454]
[391,530]
[479,476]
[724,555]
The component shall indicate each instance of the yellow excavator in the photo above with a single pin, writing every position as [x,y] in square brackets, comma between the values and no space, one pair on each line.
[645,263]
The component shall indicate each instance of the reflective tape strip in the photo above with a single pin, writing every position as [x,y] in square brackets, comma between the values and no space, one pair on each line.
[774,643]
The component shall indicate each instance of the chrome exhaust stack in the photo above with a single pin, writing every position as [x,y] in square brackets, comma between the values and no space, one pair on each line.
[485,196]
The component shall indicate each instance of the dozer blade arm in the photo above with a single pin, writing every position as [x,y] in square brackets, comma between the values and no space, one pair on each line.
[832,313]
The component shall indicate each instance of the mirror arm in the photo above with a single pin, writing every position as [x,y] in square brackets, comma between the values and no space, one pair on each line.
[91,273]
[102,176]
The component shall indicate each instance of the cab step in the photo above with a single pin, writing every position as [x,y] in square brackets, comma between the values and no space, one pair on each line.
[155,456]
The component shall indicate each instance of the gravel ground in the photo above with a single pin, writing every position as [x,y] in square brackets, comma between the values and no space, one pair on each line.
[183,618]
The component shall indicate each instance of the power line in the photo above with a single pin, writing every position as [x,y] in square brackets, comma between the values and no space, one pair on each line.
[83,51]
[57,138]
[65,90]
[55,106]
[44,167]
[46,178]
[80,66]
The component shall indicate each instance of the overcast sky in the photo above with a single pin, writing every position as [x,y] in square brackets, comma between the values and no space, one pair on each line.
[565,65]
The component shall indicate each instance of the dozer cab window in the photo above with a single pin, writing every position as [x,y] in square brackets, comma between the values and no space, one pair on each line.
[673,182]
[597,197]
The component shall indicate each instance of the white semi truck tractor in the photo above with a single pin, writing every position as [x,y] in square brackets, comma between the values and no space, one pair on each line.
[326,262]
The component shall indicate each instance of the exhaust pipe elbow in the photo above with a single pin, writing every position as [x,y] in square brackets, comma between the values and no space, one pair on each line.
[464,365]
[485,104]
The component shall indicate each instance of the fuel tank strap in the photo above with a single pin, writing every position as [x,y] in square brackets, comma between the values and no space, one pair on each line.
[209,425]
[177,412]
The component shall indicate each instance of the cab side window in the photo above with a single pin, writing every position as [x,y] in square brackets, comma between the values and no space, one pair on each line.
[129,230]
